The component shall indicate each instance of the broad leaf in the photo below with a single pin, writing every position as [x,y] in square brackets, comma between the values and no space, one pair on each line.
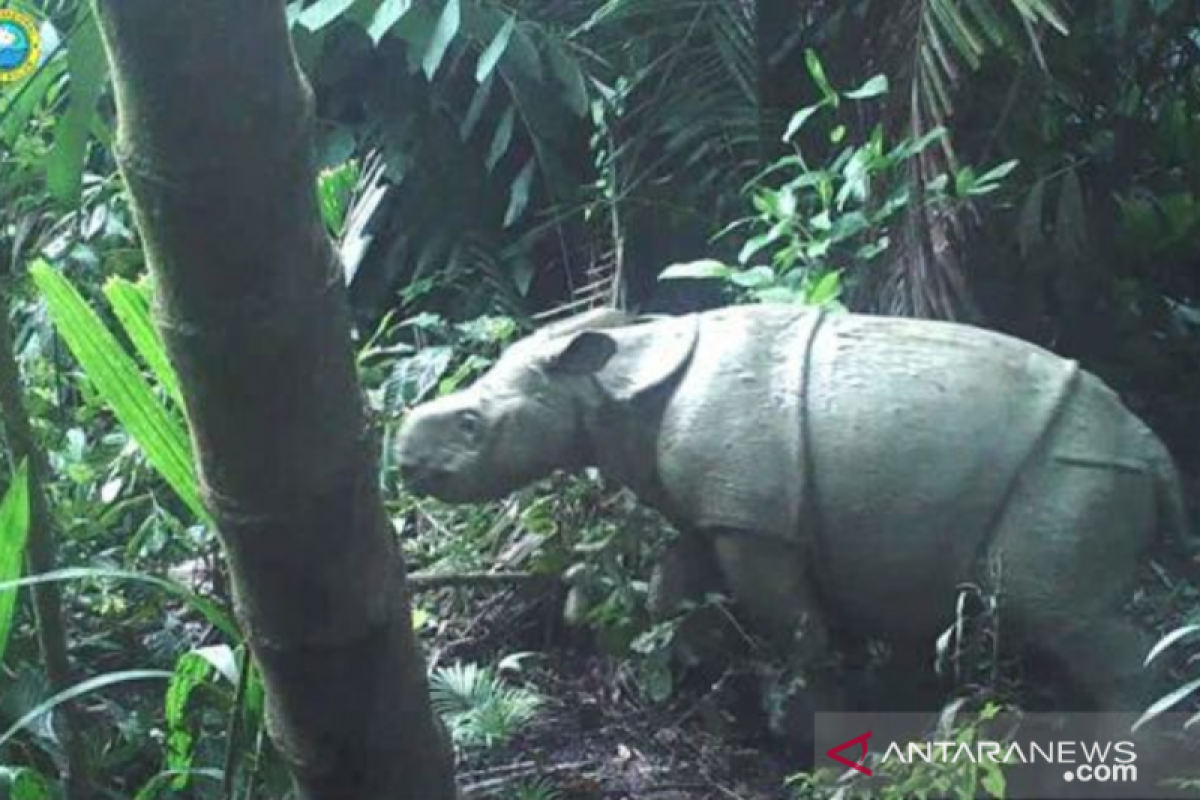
[386,16]
[1167,702]
[872,88]
[130,304]
[704,269]
[1171,639]
[89,70]
[78,690]
[502,139]
[798,119]
[491,55]
[567,70]
[443,34]
[14,531]
[519,196]
[161,435]
[323,12]
[817,71]
[212,613]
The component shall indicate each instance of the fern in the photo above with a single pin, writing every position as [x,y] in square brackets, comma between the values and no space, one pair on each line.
[936,45]
[479,708]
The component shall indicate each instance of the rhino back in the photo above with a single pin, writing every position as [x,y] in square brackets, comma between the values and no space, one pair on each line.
[921,435]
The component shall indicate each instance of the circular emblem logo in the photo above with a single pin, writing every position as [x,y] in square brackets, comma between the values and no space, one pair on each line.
[20,45]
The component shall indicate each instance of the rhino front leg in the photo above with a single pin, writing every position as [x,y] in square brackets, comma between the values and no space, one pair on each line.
[769,580]
[684,575]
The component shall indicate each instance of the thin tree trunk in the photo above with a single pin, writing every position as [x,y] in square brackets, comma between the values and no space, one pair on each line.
[215,143]
[40,555]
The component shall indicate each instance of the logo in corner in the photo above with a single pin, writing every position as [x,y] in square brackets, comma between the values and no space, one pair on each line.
[20,45]
[860,741]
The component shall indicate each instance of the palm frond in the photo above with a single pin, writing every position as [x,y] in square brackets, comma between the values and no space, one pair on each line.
[935,45]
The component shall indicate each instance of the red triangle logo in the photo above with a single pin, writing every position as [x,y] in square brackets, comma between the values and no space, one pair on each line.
[861,741]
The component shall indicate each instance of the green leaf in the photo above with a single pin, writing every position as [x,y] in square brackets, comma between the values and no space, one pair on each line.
[998,173]
[872,88]
[502,139]
[524,62]
[1169,641]
[518,199]
[323,12]
[161,435]
[78,690]
[1167,702]
[798,119]
[211,612]
[447,28]
[705,269]
[14,531]
[475,110]
[570,76]
[18,107]
[491,56]
[817,71]
[153,788]
[386,16]
[191,672]
[826,290]
[89,70]
[132,307]
[993,781]
[759,277]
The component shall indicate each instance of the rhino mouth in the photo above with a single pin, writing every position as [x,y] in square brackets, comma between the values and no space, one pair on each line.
[441,484]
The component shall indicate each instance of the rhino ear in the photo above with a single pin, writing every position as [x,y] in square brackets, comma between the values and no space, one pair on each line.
[585,353]
[647,356]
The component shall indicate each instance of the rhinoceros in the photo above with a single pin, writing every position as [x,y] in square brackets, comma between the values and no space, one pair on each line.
[842,468]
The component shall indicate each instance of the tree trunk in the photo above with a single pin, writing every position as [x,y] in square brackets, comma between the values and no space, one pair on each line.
[215,144]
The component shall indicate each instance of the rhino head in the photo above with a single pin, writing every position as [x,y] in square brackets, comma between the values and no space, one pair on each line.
[533,412]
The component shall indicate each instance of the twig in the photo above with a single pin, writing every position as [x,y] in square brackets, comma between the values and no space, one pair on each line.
[234,739]
[427,582]
[518,772]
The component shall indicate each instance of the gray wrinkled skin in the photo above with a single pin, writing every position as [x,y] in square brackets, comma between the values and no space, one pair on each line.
[840,467]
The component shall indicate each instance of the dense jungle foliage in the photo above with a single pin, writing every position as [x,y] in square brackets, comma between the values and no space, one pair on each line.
[487,165]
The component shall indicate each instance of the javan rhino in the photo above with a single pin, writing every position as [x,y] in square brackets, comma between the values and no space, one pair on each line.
[842,467]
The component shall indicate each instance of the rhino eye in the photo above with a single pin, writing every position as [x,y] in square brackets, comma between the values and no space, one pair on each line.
[469,422]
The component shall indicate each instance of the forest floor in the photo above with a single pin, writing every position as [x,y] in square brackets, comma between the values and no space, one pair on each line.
[594,740]
[595,737]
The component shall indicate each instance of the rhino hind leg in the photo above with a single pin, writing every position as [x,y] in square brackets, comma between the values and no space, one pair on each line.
[1065,560]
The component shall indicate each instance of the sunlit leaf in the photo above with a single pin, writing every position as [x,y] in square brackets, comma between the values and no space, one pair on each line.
[385,18]
[1171,639]
[696,270]
[1167,702]
[323,12]
[491,55]
[872,88]
[443,34]
[161,435]
[132,308]
[817,71]
[14,531]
